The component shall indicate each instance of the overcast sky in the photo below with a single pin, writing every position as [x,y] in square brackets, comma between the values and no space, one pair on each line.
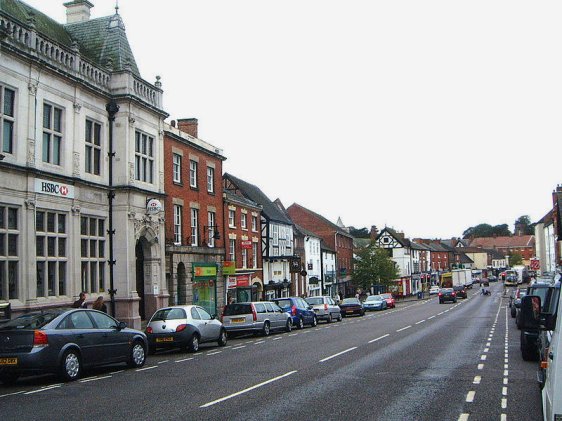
[426,116]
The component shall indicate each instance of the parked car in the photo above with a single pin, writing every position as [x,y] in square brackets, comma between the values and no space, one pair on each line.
[510,280]
[351,306]
[257,317]
[66,342]
[374,302]
[433,290]
[325,308]
[301,312]
[447,294]
[183,327]
[460,291]
[492,278]
[390,301]
[529,336]
[515,300]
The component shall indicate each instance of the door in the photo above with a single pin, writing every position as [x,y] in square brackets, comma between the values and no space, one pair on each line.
[210,328]
[114,342]
[81,330]
[139,253]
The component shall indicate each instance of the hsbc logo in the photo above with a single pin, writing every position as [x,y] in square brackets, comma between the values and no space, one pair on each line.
[54,189]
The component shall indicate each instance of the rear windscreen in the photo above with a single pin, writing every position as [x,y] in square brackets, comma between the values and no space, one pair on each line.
[169,314]
[314,301]
[283,303]
[29,321]
[235,309]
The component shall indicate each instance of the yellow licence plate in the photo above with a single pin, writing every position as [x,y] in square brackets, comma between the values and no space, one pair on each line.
[167,339]
[8,361]
[349,311]
[238,320]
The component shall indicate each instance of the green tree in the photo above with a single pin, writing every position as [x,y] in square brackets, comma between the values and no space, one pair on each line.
[373,265]
[524,222]
[515,258]
[359,232]
[487,230]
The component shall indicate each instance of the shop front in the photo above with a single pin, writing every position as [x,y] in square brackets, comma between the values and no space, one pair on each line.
[241,288]
[205,286]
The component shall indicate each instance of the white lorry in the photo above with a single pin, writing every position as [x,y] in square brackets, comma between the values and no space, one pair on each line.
[462,277]
[521,271]
[549,323]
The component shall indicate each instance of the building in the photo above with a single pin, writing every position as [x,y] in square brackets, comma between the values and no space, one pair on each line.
[311,282]
[82,157]
[546,243]
[194,217]
[329,270]
[508,245]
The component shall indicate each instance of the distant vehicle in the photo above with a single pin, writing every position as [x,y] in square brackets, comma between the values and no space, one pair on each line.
[447,294]
[374,302]
[434,290]
[522,273]
[300,311]
[66,342]
[183,327]
[257,317]
[492,278]
[510,281]
[325,308]
[351,306]
[460,291]
[515,300]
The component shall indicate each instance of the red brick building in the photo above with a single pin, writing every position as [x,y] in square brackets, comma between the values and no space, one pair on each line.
[193,218]
[334,237]
[521,244]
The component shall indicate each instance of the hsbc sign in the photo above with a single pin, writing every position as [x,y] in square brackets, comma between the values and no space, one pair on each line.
[54,189]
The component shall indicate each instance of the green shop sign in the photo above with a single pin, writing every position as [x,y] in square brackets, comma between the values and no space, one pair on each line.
[204,271]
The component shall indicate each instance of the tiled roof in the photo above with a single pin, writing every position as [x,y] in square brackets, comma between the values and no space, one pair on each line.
[504,241]
[327,221]
[465,259]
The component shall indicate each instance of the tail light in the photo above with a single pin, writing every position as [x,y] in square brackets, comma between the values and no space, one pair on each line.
[440,294]
[325,307]
[222,315]
[294,310]
[40,338]
[148,329]
[254,314]
[181,327]
[453,294]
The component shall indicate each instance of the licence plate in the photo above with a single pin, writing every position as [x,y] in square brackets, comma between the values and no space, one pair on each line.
[8,361]
[166,339]
[349,311]
[238,320]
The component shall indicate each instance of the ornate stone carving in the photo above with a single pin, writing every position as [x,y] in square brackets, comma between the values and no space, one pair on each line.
[77,107]
[32,87]
[132,121]
[31,153]
[76,164]
[76,209]
[30,204]
[146,226]
[131,172]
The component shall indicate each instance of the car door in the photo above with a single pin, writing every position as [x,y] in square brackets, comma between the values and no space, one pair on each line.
[210,328]
[303,306]
[273,315]
[79,329]
[198,324]
[114,343]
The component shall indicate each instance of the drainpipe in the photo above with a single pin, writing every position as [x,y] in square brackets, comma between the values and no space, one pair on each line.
[112,108]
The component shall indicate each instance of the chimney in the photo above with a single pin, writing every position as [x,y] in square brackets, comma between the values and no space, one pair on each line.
[188,125]
[374,232]
[78,11]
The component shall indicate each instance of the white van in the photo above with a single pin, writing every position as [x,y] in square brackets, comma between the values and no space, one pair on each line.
[550,345]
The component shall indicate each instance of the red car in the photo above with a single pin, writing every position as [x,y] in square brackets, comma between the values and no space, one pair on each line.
[390,303]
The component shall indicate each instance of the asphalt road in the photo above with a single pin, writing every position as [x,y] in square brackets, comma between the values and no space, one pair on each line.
[420,361]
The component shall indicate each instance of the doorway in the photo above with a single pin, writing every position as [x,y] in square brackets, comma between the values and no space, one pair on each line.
[139,254]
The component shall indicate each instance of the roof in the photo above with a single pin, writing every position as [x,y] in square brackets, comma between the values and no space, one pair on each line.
[323,219]
[270,210]
[504,241]
[231,197]
[103,40]
[465,259]
[305,232]
[397,236]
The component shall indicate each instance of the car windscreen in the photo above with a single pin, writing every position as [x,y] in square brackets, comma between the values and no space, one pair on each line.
[385,296]
[541,292]
[374,298]
[314,301]
[236,309]
[169,314]
[350,301]
[30,321]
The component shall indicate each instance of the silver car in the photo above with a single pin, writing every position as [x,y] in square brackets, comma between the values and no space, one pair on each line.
[258,317]
[325,308]
[183,327]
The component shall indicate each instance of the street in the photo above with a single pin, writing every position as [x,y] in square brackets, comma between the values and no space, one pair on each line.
[420,361]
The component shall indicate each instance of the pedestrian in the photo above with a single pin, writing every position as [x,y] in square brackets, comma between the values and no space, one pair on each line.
[99,305]
[81,301]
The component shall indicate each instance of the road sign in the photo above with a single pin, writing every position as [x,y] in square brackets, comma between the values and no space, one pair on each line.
[535,264]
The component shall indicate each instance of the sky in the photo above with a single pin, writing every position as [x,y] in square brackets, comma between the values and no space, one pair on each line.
[429,117]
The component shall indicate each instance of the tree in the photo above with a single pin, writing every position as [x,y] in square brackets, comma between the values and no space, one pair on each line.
[359,232]
[525,225]
[486,230]
[515,259]
[373,265]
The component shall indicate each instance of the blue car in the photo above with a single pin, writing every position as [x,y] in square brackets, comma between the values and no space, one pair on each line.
[301,312]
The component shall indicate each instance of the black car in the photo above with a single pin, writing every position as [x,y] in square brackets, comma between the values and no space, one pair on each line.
[351,306]
[66,342]
[529,337]
[460,291]
[447,294]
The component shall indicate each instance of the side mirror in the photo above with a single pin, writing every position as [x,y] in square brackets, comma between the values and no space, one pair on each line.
[121,325]
[530,312]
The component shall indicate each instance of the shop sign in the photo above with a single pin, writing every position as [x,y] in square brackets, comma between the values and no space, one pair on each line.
[204,271]
[231,282]
[243,281]
[153,206]
[54,189]
[295,265]
[229,268]
[246,244]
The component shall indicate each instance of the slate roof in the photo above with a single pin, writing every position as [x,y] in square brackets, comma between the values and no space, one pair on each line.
[102,40]
[327,221]
[270,210]
[465,259]
[504,241]
[305,232]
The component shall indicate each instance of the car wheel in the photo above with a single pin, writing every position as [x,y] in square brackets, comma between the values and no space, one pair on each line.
[440,301]
[513,312]
[71,366]
[265,331]
[300,323]
[9,378]
[193,345]
[314,322]
[137,355]
[330,319]
[222,338]
[340,317]
[288,325]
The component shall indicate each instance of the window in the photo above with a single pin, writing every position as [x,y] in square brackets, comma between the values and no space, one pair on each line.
[211,229]
[176,167]
[194,227]
[275,230]
[193,173]
[255,255]
[232,250]
[92,252]
[103,321]
[51,240]
[9,252]
[231,218]
[210,179]
[254,223]
[52,134]
[93,147]
[244,258]
[244,221]
[177,224]
[7,120]
[144,157]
